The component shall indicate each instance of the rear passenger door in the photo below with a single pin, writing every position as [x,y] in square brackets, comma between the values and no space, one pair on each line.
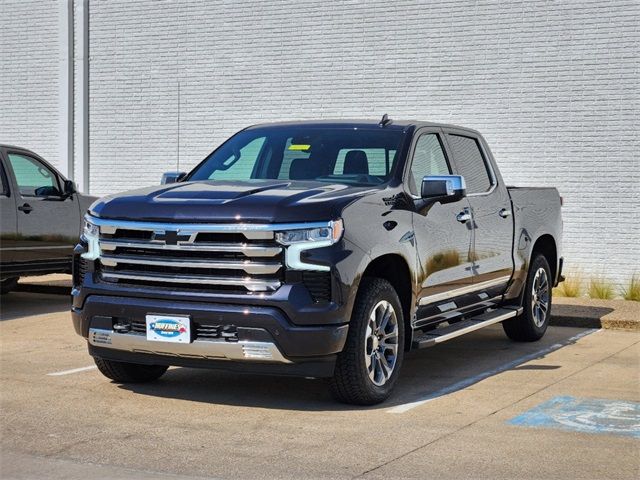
[492,219]
[443,242]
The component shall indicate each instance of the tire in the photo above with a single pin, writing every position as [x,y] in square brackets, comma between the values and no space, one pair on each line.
[361,375]
[536,302]
[129,372]
[8,284]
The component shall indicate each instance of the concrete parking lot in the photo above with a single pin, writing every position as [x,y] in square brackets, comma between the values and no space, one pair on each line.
[475,407]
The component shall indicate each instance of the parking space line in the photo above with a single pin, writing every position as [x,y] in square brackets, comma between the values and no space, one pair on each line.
[489,373]
[73,370]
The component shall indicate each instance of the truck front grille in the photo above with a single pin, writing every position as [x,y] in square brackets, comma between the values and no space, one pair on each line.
[208,257]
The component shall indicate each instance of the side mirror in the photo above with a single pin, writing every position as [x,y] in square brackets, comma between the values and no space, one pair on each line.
[68,188]
[443,188]
[172,177]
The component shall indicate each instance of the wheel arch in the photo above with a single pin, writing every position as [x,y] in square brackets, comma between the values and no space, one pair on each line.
[395,269]
[546,245]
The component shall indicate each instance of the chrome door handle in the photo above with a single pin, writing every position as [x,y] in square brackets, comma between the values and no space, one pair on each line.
[463,217]
[504,213]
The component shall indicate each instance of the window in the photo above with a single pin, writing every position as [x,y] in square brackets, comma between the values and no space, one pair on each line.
[4,188]
[470,163]
[288,156]
[34,179]
[379,160]
[428,159]
[333,154]
[239,165]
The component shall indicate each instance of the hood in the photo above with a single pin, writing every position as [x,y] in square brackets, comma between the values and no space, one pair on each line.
[253,201]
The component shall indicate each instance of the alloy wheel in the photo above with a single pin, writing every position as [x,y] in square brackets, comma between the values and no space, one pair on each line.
[381,343]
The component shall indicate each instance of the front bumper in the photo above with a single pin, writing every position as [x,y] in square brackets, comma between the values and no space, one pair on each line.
[264,340]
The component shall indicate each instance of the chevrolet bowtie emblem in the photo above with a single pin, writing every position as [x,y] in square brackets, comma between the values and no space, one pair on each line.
[170,237]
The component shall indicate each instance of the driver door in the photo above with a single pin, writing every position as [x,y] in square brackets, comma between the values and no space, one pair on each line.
[48,223]
[444,238]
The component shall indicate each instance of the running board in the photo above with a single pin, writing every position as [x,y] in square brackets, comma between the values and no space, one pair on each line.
[443,334]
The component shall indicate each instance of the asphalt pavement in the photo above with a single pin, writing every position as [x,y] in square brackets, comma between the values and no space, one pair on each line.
[479,406]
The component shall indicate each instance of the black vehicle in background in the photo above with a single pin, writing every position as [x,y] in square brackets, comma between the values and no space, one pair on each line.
[322,249]
[40,217]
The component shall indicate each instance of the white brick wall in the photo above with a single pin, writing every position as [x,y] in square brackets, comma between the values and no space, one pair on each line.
[29,75]
[552,85]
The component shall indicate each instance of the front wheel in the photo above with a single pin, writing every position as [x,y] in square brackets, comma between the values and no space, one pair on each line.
[367,369]
[123,372]
[536,302]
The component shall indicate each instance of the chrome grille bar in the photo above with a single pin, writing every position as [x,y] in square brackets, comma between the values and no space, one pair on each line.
[245,249]
[250,267]
[251,284]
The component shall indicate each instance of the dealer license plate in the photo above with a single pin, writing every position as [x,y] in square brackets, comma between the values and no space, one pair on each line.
[167,328]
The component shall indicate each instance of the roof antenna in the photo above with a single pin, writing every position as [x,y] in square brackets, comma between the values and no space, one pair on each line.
[385,121]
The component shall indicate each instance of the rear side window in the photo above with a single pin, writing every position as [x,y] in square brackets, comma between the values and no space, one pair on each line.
[470,162]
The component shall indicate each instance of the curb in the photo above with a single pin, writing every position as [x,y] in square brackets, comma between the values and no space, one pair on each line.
[592,313]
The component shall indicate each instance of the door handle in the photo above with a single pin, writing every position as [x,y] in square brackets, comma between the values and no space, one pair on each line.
[463,217]
[26,208]
[504,213]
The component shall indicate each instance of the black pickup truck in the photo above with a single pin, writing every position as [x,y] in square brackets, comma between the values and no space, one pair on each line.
[321,249]
[41,217]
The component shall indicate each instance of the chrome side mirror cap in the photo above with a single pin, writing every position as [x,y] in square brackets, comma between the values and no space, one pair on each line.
[443,188]
[172,177]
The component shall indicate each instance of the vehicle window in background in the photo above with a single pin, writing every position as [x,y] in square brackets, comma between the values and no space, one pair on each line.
[34,179]
[355,156]
[4,189]
[428,159]
[470,163]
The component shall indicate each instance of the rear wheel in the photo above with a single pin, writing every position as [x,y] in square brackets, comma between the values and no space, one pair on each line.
[129,372]
[367,369]
[533,323]
[8,284]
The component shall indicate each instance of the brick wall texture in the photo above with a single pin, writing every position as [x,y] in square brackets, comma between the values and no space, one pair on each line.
[553,86]
[29,113]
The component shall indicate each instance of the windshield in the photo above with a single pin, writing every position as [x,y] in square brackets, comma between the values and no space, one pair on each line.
[355,156]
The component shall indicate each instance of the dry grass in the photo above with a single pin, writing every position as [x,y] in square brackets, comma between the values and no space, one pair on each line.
[571,287]
[601,288]
[632,292]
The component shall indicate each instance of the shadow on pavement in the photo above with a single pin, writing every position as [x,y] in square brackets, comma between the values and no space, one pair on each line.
[21,304]
[581,316]
[428,373]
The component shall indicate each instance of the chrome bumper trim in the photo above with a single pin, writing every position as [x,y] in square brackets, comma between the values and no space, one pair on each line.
[205,349]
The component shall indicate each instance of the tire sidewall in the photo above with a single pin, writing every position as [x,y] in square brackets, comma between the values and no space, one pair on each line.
[358,327]
[538,262]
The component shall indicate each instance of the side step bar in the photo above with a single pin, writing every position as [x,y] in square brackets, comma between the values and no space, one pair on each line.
[443,334]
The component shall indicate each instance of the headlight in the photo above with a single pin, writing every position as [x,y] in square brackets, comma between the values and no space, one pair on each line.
[91,234]
[300,239]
